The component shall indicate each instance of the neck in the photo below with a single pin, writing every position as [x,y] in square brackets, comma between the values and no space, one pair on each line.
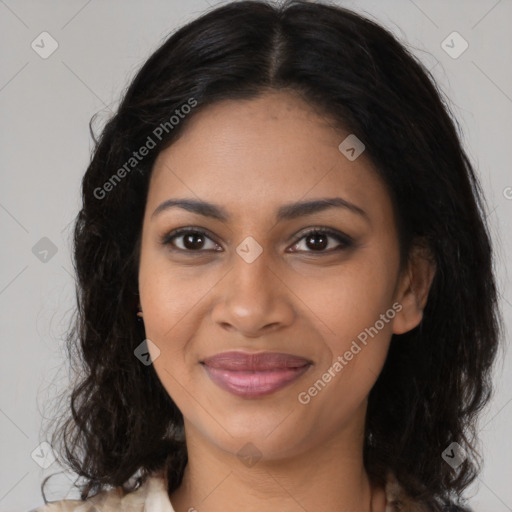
[329,477]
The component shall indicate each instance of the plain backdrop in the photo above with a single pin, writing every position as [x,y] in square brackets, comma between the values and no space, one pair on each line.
[45,108]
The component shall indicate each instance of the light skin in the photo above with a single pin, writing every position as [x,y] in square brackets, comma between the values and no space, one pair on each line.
[305,296]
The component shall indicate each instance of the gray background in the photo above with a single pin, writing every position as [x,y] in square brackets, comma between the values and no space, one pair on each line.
[45,107]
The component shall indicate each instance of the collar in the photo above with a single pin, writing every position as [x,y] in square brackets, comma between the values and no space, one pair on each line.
[152,496]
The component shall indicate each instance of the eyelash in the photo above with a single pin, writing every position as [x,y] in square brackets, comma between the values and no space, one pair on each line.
[344,240]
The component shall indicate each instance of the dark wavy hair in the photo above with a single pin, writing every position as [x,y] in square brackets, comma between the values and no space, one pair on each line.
[356,74]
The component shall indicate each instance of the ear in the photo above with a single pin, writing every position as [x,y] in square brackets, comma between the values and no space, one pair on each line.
[413,288]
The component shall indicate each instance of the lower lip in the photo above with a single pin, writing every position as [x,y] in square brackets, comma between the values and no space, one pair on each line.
[253,384]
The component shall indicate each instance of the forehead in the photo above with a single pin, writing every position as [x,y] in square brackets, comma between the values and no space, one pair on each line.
[254,155]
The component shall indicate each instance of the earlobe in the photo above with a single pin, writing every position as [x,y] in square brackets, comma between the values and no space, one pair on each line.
[413,289]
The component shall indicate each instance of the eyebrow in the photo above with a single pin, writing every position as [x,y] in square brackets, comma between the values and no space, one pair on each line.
[286,212]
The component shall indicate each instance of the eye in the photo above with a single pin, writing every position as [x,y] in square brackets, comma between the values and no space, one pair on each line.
[192,240]
[317,240]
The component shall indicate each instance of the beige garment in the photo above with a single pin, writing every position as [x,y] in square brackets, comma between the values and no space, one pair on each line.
[152,496]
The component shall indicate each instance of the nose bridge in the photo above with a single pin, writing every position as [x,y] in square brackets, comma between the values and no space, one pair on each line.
[253,287]
[253,296]
[252,271]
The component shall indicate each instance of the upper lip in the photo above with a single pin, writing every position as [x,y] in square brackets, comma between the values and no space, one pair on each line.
[260,361]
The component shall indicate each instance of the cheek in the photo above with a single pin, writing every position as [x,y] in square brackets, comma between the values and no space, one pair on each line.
[351,297]
[355,355]
[166,304]
[170,295]
[354,311]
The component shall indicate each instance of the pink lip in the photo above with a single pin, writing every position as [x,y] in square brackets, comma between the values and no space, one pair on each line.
[254,375]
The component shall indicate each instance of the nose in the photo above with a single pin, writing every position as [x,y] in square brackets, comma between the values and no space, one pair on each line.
[253,299]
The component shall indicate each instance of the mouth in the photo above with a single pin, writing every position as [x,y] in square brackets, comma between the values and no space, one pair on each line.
[254,375]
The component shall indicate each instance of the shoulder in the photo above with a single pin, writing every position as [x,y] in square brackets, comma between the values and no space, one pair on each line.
[150,496]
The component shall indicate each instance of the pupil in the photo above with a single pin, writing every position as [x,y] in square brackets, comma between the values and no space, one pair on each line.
[189,241]
[315,236]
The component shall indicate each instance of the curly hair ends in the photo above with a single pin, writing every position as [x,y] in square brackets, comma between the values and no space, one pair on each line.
[436,378]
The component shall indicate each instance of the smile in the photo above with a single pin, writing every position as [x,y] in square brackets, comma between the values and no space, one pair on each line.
[254,375]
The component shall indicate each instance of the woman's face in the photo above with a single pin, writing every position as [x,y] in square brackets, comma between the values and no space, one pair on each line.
[253,282]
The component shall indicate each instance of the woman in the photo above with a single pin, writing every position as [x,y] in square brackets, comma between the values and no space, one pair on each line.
[286,295]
